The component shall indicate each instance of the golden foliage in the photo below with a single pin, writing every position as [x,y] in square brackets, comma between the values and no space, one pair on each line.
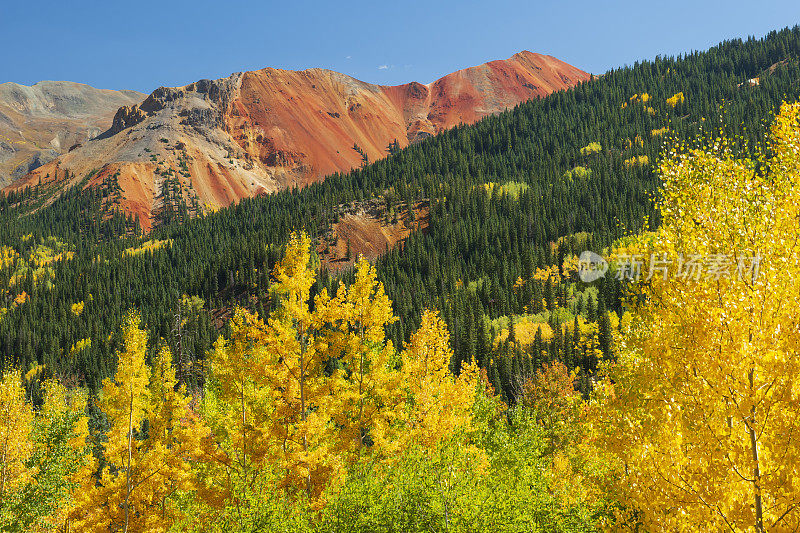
[550,393]
[77,308]
[7,256]
[591,148]
[525,331]
[235,408]
[327,390]
[701,411]
[366,386]
[148,246]
[142,471]
[510,188]
[38,263]
[675,99]
[637,161]
[544,273]
[34,445]
[644,98]
[438,404]
[578,172]
[636,141]
[16,445]
[79,346]
[297,433]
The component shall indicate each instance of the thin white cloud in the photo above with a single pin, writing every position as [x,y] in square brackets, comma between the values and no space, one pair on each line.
[383,67]
[348,57]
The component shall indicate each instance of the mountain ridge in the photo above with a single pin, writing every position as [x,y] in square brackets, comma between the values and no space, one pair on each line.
[41,121]
[218,141]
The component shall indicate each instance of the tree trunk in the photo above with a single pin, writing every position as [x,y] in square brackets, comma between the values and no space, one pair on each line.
[758,508]
[130,459]
[303,403]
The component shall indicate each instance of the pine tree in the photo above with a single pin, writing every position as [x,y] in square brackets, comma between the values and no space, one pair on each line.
[482,350]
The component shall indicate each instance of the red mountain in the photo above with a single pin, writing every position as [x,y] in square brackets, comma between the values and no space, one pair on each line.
[260,131]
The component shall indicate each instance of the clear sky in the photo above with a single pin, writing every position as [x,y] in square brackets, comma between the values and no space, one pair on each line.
[145,44]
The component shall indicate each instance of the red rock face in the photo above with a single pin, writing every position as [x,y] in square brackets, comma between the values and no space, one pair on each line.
[264,130]
[308,122]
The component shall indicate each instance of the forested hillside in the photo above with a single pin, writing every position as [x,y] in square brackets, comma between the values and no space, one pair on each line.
[212,376]
[313,421]
[510,198]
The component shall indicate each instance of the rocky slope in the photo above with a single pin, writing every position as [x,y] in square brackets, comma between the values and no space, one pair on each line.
[257,132]
[40,122]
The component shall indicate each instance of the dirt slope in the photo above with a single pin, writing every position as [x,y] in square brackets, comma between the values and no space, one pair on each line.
[40,122]
[364,230]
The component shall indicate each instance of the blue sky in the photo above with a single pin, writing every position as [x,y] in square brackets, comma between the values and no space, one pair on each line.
[142,45]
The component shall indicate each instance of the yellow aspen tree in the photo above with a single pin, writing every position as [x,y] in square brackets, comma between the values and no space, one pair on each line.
[174,438]
[365,386]
[701,412]
[283,415]
[44,454]
[16,445]
[152,437]
[107,505]
[235,408]
[63,458]
[551,397]
[434,420]
[298,424]
[437,405]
